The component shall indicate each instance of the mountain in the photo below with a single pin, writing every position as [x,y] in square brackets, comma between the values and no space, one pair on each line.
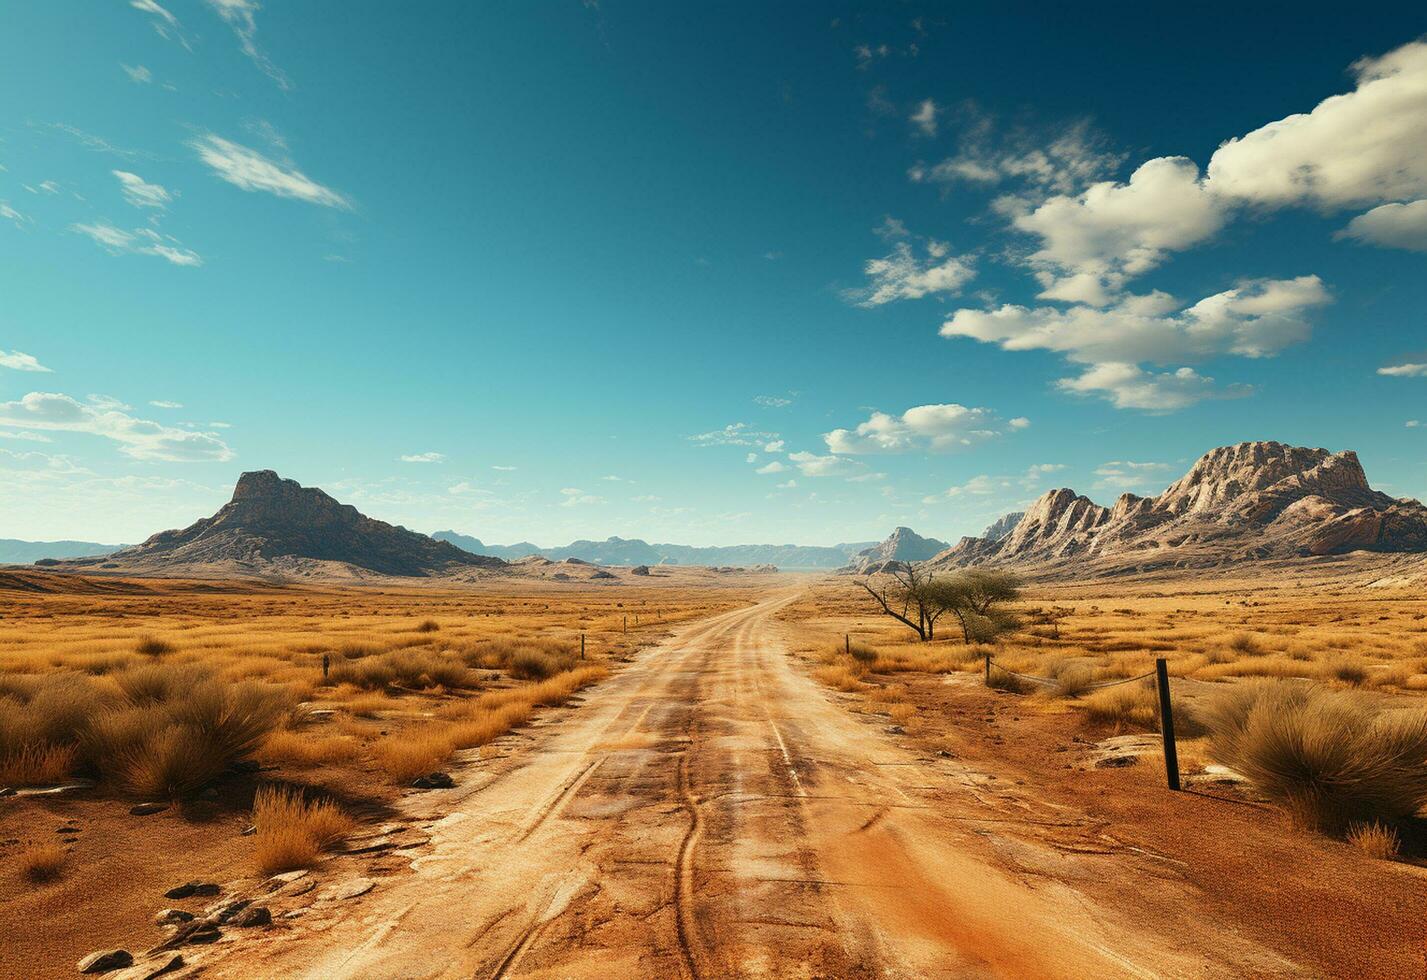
[1253,500]
[633,551]
[1003,526]
[13,552]
[903,544]
[275,526]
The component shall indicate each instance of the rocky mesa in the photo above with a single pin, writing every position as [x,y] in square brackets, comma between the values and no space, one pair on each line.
[1253,500]
[277,526]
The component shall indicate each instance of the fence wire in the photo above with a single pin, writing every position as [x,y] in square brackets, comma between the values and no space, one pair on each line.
[1053,682]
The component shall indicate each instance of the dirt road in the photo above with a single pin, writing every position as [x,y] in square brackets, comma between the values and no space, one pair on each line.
[711,812]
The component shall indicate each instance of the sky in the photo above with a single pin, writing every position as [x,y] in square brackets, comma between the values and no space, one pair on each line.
[710,275]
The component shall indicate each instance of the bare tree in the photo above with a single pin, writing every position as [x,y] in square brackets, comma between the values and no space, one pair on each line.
[906,598]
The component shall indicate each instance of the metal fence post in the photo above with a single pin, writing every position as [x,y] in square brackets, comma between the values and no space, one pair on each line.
[1166,724]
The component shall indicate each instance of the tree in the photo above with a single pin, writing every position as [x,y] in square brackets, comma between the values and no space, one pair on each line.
[906,598]
[975,597]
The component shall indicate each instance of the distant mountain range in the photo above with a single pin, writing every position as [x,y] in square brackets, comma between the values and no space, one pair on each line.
[633,551]
[14,552]
[902,545]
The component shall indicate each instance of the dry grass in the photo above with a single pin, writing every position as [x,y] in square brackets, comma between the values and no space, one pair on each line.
[152,646]
[404,757]
[40,863]
[840,677]
[293,830]
[1376,840]
[1331,759]
[413,669]
[36,765]
[304,750]
[1123,705]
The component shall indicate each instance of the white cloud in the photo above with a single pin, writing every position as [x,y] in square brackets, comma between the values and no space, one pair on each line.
[647,498]
[248,169]
[734,434]
[504,469]
[109,403]
[924,428]
[787,485]
[165,24]
[902,275]
[423,458]
[985,486]
[1364,147]
[20,361]
[36,437]
[1404,370]
[924,118]
[138,74]
[578,498]
[138,438]
[1391,226]
[772,466]
[810,464]
[1129,386]
[140,193]
[140,241]
[614,479]
[751,458]
[1091,244]
[1413,423]
[1257,318]
[1125,473]
[166,404]
[776,446]
[772,401]
[1065,165]
[1019,422]
[241,16]
[10,214]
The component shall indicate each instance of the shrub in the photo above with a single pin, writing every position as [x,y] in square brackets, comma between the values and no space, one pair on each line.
[840,677]
[301,751]
[428,626]
[1071,679]
[862,653]
[1376,840]
[36,765]
[40,863]
[292,830]
[1124,704]
[1347,670]
[152,646]
[412,754]
[1004,680]
[1330,758]
[1246,645]
[418,669]
[532,665]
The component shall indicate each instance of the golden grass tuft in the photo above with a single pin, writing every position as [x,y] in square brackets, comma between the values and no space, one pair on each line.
[1330,758]
[152,646]
[428,626]
[292,830]
[1376,840]
[301,750]
[36,765]
[417,753]
[1124,704]
[840,677]
[40,863]
[417,669]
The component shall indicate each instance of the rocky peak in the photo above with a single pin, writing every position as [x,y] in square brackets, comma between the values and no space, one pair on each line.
[1002,526]
[1222,476]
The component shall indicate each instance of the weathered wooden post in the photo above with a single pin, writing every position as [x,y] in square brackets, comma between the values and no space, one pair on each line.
[988,670]
[847,644]
[1166,724]
[582,646]
[326,663]
[626,622]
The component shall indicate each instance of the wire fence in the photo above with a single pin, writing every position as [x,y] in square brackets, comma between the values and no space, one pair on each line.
[1056,681]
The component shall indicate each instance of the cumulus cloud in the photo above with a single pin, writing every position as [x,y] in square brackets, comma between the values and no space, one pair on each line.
[140,193]
[771,467]
[1257,318]
[137,438]
[575,497]
[810,464]
[250,170]
[924,428]
[423,458]
[241,16]
[140,241]
[1092,243]
[1405,370]
[1072,159]
[1130,386]
[1391,226]
[985,485]
[20,361]
[903,274]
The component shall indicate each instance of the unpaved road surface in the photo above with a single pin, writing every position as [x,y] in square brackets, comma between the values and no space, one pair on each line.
[711,812]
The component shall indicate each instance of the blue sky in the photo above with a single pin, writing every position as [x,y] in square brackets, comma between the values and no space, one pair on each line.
[547,270]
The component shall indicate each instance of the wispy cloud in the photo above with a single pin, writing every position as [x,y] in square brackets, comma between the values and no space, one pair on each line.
[140,193]
[137,438]
[575,497]
[734,434]
[423,458]
[249,170]
[140,241]
[924,118]
[241,16]
[10,214]
[138,74]
[1406,370]
[772,401]
[20,361]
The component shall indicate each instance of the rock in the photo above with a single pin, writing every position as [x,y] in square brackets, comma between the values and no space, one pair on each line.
[224,912]
[288,876]
[299,888]
[145,809]
[106,961]
[896,730]
[194,933]
[639,570]
[7,791]
[193,889]
[258,915]
[435,780]
[153,967]
[349,889]
[172,917]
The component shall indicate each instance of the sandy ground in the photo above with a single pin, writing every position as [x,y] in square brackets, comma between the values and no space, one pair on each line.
[712,812]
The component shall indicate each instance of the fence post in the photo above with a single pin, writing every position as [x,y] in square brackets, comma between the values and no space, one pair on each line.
[626,622]
[582,646]
[847,644]
[1166,724]
[988,670]
[326,663]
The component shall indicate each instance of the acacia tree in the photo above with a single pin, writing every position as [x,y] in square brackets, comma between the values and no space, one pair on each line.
[976,597]
[907,597]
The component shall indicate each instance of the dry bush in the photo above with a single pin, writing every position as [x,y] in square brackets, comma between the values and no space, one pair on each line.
[36,765]
[412,754]
[367,705]
[299,750]
[428,626]
[1330,758]
[1004,680]
[292,830]
[482,726]
[419,669]
[1376,840]
[901,713]
[532,665]
[152,646]
[1124,704]
[841,677]
[861,652]
[1346,669]
[39,863]
[1246,645]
